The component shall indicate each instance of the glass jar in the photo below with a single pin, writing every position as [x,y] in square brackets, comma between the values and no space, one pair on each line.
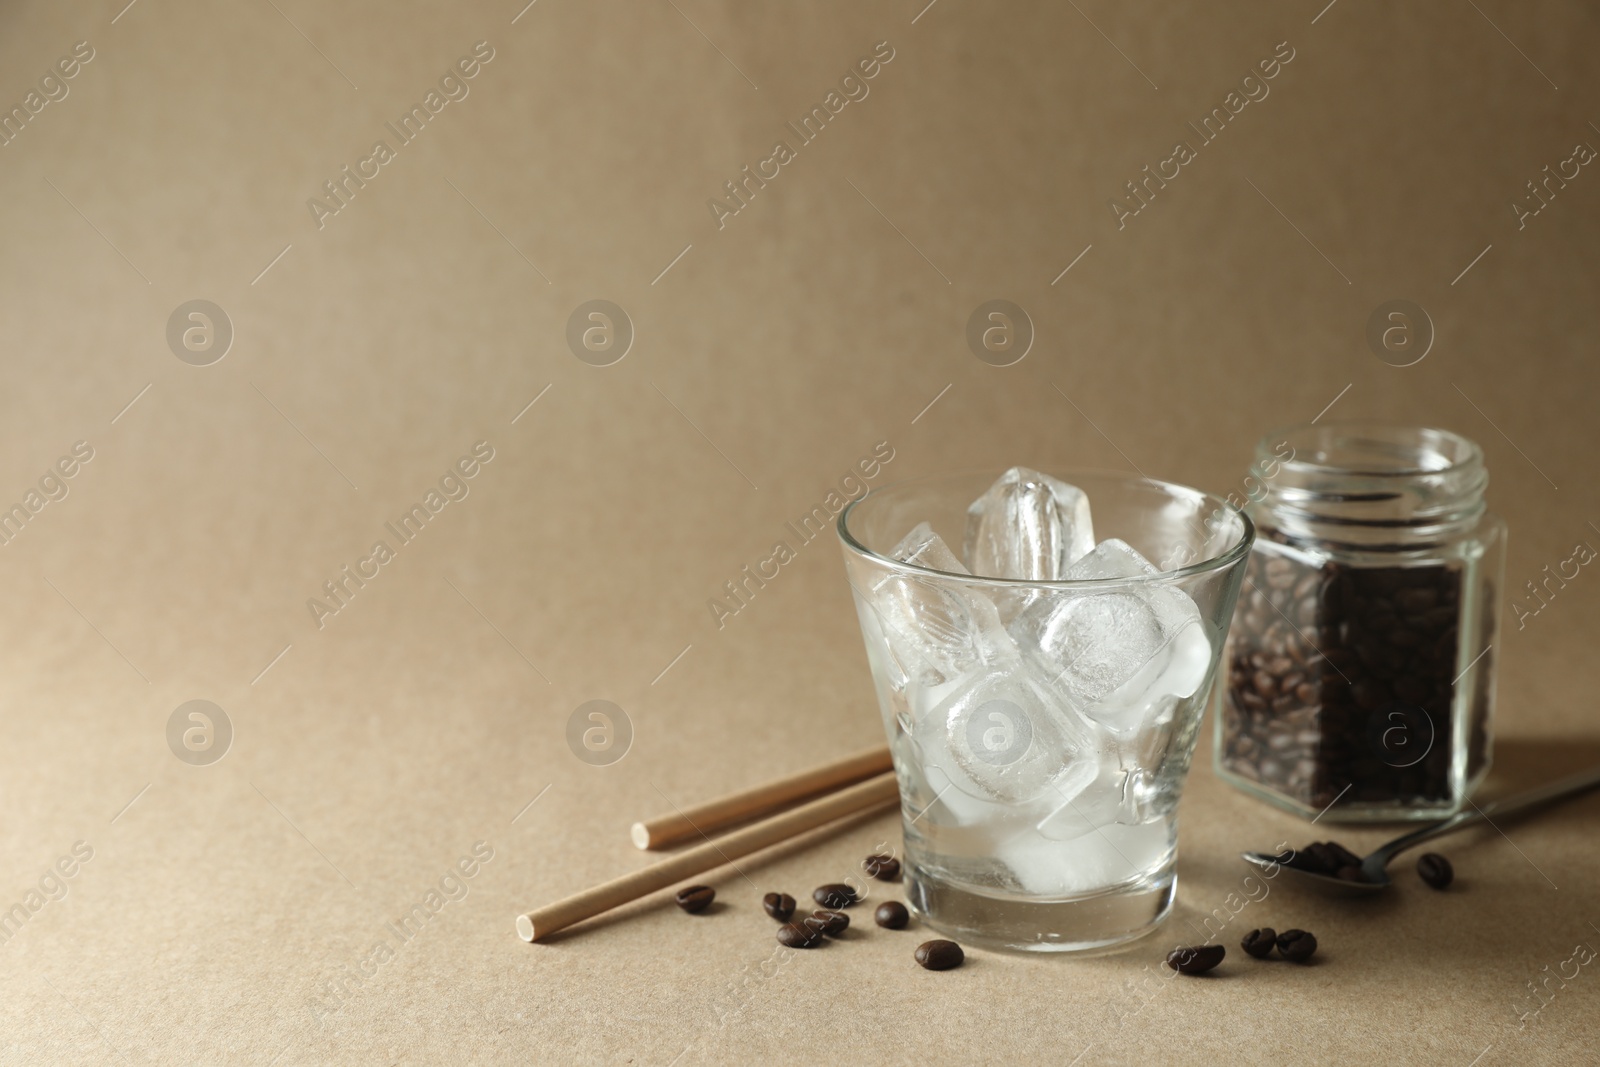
[1359,673]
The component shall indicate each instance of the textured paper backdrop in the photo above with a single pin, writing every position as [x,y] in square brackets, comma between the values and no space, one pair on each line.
[772,349]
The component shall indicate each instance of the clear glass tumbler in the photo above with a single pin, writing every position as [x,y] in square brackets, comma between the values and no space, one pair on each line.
[1036,820]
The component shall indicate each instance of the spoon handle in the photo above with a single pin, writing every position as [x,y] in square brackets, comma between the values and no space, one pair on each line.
[1557,790]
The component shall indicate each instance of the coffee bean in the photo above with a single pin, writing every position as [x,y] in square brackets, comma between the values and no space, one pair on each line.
[1196,960]
[1342,856]
[832,923]
[696,897]
[1260,943]
[779,905]
[1435,870]
[1318,857]
[1348,873]
[799,935]
[1296,945]
[1332,708]
[883,868]
[939,955]
[834,895]
[892,915]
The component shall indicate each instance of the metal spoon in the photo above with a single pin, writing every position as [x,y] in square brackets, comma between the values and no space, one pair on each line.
[1373,867]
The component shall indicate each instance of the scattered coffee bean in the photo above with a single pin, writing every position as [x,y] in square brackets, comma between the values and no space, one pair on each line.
[939,955]
[1296,945]
[832,923]
[799,935]
[883,868]
[1435,870]
[696,897]
[892,915]
[1260,943]
[1197,960]
[779,905]
[834,895]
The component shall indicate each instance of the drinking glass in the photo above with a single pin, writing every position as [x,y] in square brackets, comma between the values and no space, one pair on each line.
[1042,730]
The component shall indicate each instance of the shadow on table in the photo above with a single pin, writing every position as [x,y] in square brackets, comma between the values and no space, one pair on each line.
[1521,764]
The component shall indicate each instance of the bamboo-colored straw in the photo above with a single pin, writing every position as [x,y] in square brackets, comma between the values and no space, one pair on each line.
[664,831]
[877,792]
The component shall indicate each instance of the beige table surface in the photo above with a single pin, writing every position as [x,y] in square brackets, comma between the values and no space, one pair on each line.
[220,903]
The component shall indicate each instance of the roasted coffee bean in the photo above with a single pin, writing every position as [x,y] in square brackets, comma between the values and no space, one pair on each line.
[939,955]
[799,935]
[1197,960]
[832,923]
[1318,857]
[883,868]
[892,915]
[1342,856]
[1435,870]
[1296,945]
[1349,873]
[1260,943]
[696,897]
[835,895]
[1332,707]
[779,905]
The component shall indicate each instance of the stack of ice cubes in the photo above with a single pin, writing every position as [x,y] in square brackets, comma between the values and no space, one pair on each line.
[1032,717]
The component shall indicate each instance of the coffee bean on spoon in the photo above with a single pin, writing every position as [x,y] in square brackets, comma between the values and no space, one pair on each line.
[1342,857]
[696,897]
[799,935]
[892,915]
[834,895]
[1435,870]
[1260,943]
[779,905]
[939,955]
[1297,945]
[1196,960]
[883,868]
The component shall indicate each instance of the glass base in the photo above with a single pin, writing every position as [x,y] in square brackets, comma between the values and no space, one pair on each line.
[1097,923]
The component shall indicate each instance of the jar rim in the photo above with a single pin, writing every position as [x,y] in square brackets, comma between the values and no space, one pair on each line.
[1455,451]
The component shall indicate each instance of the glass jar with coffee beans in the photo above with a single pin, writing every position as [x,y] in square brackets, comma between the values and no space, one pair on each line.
[1359,676]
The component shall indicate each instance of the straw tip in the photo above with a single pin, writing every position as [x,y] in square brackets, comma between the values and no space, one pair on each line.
[525,928]
[641,835]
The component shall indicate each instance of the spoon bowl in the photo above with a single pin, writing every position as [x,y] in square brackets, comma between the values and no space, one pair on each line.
[1376,877]
[1374,867]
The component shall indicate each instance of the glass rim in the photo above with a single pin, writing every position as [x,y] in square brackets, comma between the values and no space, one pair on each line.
[1235,551]
[1471,453]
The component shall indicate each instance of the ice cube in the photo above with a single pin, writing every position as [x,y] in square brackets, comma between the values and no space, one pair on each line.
[1111,558]
[1123,657]
[924,548]
[939,627]
[995,740]
[1027,525]
[1095,642]
[948,804]
[1097,800]
[1109,856]
[1150,698]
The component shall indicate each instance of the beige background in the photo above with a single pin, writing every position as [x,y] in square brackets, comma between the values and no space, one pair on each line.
[769,358]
